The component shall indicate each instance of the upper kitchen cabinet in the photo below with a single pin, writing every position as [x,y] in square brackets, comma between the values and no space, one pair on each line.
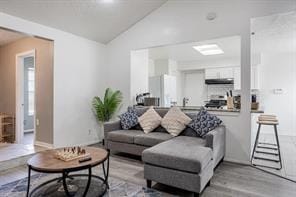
[212,73]
[219,73]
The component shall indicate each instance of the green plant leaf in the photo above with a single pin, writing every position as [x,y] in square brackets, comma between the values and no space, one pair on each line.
[107,109]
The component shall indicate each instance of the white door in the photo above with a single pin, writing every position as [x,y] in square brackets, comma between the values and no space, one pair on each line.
[195,88]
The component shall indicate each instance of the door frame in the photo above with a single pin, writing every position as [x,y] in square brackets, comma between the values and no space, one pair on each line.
[20,94]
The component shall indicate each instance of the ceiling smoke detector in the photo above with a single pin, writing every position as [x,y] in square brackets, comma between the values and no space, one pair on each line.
[211,16]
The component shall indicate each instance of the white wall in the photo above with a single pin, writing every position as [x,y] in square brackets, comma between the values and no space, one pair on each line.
[151,68]
[78,76]
[275,44]
[184,21]
[161,67]
[210,63]
[278,71]
[140,71]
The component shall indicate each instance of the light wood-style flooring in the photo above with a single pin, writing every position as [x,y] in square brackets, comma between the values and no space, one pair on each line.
[229,179]
[288,154]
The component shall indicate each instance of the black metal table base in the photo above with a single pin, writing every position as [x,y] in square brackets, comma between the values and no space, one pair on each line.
[66,175]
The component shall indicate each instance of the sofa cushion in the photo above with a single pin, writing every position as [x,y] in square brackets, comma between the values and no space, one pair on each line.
[204,122]
[175,121]
[149,120]
[129,119]
[125,136]
[152,138]
[182,153]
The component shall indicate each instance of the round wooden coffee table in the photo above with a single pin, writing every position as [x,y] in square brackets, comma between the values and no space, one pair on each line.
[46,162]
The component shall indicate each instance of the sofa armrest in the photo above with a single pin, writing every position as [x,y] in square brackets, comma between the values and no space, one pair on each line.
[215,140]
[111,126]
[108,127]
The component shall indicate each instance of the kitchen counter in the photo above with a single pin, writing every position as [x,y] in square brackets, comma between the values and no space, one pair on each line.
[257,111]
[197,108]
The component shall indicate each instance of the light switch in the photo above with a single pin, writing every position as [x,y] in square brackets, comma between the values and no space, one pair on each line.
[278,91]
[37,122]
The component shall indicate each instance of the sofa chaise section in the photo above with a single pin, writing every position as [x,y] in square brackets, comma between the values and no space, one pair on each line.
[183,162]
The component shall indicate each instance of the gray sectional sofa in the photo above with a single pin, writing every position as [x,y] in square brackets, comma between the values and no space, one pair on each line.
[186,161]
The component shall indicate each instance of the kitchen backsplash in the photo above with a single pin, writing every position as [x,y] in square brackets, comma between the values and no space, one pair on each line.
[220,89]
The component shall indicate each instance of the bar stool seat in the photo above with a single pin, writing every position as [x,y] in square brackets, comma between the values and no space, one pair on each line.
[269,120]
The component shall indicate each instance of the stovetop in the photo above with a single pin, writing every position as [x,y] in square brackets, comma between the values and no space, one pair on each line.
[216,104]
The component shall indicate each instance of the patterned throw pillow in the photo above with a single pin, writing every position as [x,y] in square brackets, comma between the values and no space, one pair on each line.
[204,122]
[175,121]
[128,119]
[150,120]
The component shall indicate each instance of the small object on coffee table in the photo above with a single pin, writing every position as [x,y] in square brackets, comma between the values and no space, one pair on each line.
[84,159]
[69,154]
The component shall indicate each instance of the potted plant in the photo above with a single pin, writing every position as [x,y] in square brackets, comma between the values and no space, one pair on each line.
[105,109]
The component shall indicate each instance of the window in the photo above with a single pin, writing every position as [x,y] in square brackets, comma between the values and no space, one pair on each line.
[31,91]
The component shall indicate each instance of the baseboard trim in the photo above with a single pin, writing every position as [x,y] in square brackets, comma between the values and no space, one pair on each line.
[90,143]
[80,144]
[248,163]
[44,144]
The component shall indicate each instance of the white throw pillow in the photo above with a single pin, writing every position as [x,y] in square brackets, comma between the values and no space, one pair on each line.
[175,121]
[150,120]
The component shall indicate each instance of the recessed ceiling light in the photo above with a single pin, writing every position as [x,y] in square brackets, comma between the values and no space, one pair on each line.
[107,1]
[209,49]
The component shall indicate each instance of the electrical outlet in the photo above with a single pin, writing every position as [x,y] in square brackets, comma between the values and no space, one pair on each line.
[37,122]
[89,131]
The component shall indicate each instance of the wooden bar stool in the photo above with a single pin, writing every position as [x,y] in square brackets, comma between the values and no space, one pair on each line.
[269,120]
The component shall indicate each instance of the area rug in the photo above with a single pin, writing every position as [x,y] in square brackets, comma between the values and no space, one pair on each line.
[117,188]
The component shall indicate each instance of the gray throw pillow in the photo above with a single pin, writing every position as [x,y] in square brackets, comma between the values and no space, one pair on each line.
[204,122]
[129,119]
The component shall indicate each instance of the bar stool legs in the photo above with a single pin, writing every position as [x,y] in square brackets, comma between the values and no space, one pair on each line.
[256,141]
[278,145]
[265,120]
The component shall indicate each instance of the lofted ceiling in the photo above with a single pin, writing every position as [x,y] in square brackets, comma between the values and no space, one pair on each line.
[275,34]
[99,20]
[185,52]
[9,36]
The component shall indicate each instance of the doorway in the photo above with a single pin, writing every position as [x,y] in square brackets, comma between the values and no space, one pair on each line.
[25,100]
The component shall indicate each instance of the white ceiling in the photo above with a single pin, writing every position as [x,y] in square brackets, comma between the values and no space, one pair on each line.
[9,36]
[185,52]
[99,20]
[274,34]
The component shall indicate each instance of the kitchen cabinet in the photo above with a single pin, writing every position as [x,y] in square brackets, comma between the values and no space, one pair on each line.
[219,73]
[225,73]
[211,73]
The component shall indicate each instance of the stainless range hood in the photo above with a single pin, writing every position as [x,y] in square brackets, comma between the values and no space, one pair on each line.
[219,81]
